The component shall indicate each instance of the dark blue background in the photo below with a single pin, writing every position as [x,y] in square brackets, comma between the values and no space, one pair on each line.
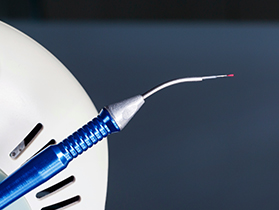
[210,145]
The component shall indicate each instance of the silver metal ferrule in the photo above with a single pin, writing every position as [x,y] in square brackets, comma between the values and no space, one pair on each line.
[122,112]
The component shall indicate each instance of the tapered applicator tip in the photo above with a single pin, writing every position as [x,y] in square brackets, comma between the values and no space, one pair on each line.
[230,75]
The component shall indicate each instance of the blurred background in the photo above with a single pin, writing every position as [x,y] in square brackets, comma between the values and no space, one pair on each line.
[210,145]
[140,10]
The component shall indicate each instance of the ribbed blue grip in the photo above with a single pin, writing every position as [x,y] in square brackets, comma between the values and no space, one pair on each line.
[55,158]
[88,135]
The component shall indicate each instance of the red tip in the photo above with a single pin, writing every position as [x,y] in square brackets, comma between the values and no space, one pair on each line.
[230,75]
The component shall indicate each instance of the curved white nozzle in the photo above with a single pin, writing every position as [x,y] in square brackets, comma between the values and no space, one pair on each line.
[122,112]
[181,80]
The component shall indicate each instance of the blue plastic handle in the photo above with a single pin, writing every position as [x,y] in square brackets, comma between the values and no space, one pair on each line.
[55,158]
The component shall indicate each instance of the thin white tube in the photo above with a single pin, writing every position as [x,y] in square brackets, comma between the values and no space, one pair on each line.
[177,81]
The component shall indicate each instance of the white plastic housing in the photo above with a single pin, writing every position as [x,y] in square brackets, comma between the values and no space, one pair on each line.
[36,88]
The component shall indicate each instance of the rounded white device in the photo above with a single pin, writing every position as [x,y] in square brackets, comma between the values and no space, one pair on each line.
[41,101]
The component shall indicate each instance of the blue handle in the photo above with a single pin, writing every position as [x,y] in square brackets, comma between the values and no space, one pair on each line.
[55,158]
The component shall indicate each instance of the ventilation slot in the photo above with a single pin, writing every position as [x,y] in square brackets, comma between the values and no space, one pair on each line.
[26,141]
[65,203]
[55,187]
[51,142]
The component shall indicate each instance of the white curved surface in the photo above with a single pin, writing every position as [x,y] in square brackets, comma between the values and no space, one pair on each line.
[36,87]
